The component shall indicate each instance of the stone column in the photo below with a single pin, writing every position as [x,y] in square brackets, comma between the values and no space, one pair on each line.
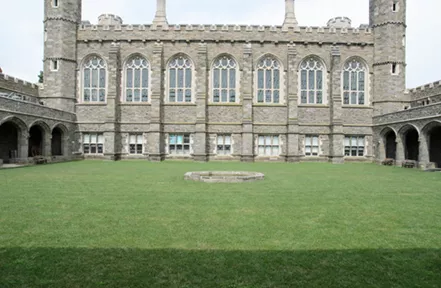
[247,105]
[111,133]
[23,147]
[292,96]
[200,143]
[400,151]
[46,150]
[380,149]
[155,142]
[335,103]
[424,157]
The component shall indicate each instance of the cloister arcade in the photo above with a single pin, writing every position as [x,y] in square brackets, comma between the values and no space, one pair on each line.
[20,141]
[419,141]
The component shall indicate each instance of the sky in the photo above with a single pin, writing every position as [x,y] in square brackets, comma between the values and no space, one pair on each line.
[21,32]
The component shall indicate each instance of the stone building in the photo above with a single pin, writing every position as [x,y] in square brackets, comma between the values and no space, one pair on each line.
[225,92]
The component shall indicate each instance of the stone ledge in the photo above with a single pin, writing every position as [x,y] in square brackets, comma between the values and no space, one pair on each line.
[224,176]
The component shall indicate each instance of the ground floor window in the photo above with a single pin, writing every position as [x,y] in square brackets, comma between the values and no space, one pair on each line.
[268,145]
[354,146]
[223,144]
[311,145]
[135,144]
[93,143]
[179,144]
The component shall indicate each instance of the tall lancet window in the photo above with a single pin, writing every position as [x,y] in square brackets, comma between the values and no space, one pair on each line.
[224,80]
[312,81]
[354,83]
[137,80]
[180,78]
[94,80]
[268,80]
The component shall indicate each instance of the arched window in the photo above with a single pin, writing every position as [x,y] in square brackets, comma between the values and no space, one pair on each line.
[224,79]
[94,80]
[354,83]
[268,80]
[137,80]
[180,76]
[312,81]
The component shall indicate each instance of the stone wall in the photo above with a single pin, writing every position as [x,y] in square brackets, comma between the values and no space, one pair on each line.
[12,84]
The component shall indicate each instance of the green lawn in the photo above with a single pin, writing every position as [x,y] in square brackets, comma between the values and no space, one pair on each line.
[139,224]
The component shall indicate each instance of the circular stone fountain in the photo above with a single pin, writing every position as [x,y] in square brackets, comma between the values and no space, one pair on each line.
[224,176]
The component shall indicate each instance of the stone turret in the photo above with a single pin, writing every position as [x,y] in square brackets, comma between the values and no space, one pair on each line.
[340,22]
[388,20]
[110,20]
[61,18]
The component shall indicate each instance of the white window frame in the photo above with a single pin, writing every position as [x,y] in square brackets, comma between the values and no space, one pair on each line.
[269,143]
[312,142]
[357,66]
[349,146]
[93,141]
[231,65]
[171,65]
[131,64]
[263,65]
[319,66]
[137,141]
[175,151]
[54,65]
[224,144]
[87,64]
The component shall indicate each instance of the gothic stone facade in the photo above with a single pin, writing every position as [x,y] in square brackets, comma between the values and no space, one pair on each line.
[230,92]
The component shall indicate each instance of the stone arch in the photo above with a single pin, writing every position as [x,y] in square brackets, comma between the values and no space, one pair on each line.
[82,67]
[136,54]
[172,94]
[432,131]
[271,55]
[128,91]
[318,93]
[232,89]
[39,139]
[325,65]
[13,135]
[59,140]
[389,138]
[359,58]
[410,136]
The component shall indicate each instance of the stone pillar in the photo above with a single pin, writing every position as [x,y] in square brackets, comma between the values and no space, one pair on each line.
[23,147]
[290,17]
[335,102]
[161,14]
[247,105]
[111,134]
[46,150]
[380,149]
[292,96]
[424,157]
[200,143]
[400,155]
[155,142]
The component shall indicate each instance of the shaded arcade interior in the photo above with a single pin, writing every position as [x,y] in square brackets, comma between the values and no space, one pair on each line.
[411,144]
[9,142]
[434,136]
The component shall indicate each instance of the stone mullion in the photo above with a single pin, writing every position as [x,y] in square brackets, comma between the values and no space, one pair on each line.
[113,88]
[155,133]
[292,100]
[247,105]
[335,102]
[200,143]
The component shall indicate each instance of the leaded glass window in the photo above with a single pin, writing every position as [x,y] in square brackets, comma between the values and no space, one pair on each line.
[135,143]
[180,77]
[354,83]
[179,144]
[354,146]
[268,145]
[137,80]
[223,144]
[312,81]
[268,80]
[93,143]
[224,80]
[312,145]
[94,80]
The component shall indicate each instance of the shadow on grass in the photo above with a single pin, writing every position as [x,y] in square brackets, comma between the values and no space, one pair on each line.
[76,267]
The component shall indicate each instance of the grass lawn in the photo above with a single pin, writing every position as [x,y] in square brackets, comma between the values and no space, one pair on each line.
[139,224]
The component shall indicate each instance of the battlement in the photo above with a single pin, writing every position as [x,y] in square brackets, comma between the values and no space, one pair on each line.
[109,19]
[12,84]
[340,22]
[425,94]
[199,32]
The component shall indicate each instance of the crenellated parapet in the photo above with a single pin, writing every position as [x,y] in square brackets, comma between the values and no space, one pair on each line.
[425,95]
[12,84]
[226,33]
